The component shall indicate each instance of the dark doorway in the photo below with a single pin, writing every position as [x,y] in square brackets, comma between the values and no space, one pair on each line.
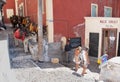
[119,45]
[93,44]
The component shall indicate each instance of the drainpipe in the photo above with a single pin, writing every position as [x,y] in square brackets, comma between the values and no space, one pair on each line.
[40,34]
[16,6]
[49,20]
[25,8]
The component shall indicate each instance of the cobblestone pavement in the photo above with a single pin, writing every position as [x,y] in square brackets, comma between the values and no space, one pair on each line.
[62,74]
[26,70]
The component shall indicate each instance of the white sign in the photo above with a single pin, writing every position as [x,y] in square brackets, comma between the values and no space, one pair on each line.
[10,12]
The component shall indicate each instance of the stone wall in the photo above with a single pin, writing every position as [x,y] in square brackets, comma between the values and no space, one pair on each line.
[55,51]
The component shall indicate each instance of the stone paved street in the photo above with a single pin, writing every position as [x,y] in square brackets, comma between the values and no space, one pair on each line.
[27,70]
[61,74]
[24,69]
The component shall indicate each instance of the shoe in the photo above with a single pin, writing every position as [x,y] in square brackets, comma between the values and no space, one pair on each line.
[2,28]
[75,70]
[81,75]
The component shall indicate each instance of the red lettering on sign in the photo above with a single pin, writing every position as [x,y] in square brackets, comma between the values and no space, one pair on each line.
[113,21]
[109,21]
[103,21]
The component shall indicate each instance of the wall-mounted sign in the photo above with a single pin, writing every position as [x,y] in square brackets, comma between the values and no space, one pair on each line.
[10,12]
[109,21]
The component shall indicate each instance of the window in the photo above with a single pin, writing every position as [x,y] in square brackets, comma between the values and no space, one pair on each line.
[21,9]
[94,10]
[107,11]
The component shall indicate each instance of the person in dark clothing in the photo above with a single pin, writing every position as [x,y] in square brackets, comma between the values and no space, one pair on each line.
[67,47]
[68,51]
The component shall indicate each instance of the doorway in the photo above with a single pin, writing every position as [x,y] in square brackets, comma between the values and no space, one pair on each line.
[93,44]
[109,41]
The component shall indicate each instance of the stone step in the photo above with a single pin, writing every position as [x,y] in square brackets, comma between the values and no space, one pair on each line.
[25,63]
[22,58]
[16,49]
[94,59]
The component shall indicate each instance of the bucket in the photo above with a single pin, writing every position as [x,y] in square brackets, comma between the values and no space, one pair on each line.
[99,61]
[104,58]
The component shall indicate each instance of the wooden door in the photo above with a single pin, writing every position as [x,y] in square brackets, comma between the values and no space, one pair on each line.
[109,41]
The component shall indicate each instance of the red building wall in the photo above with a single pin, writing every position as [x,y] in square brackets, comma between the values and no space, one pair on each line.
[31,8]
[70,13]
[10,4]
[116,11]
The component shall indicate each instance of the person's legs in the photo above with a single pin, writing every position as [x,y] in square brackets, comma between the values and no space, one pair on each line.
[84,70]
[66,57]
[25,43]
[76,67]
[16,41]
[69,56]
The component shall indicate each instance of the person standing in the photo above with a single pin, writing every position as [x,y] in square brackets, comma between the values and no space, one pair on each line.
[68,51]
[84,60]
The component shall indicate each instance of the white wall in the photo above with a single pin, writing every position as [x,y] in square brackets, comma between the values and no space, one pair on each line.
[6,73]
[95,25]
